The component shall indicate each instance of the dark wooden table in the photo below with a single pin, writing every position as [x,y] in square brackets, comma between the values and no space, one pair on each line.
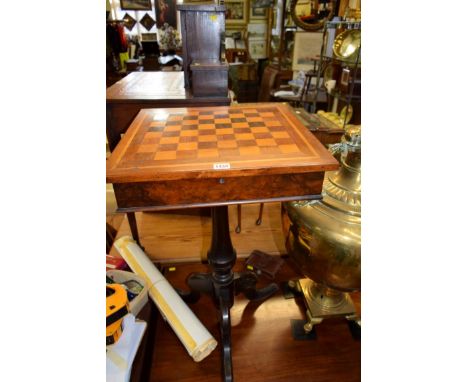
[326,135]
[214,157]
[140,90]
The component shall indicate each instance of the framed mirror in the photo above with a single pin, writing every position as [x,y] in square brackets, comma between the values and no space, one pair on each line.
[310,15]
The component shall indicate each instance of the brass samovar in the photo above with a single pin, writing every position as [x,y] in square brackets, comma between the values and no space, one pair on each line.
[324,237]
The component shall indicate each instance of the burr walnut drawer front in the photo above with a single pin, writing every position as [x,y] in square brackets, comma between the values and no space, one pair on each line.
[212,191]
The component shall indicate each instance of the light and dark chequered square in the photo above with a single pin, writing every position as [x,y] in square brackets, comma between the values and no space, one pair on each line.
[211,135]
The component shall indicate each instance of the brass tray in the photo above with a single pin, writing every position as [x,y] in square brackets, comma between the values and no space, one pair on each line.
[347,44]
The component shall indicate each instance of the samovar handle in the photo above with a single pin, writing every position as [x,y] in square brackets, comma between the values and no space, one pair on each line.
[336,149]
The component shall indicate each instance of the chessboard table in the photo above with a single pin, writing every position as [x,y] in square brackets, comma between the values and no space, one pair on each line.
[139,90]
[214,157]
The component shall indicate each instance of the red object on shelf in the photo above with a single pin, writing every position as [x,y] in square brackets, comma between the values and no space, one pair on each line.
[113,262]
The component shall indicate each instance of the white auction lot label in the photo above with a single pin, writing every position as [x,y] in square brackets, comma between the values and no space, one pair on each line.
[221,166]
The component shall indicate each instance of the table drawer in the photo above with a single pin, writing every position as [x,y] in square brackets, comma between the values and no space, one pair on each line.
[216,191]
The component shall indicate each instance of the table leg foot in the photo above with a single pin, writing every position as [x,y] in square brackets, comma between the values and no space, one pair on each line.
[245,283]
[198,283]
[189,297]
[225,329]
[354,322]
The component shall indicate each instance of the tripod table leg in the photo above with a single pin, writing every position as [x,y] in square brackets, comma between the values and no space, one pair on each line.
[133,227]
[222,258]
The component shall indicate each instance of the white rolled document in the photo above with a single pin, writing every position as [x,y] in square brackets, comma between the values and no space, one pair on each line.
[192,333]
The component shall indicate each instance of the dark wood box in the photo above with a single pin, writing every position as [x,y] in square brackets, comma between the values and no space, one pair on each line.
[132,65]
[209,78]
[202,28]
[151,63]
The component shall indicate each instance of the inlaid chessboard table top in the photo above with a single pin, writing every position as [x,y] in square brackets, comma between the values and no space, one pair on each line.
[213,142]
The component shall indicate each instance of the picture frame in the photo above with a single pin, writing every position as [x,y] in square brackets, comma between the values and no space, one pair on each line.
[307,47]
[262,3]
[128,21]
[238,36]
[166,12]
[149,37]
[258,14]
[257,30]
[257,48]
[236,12]
[135,5]
[237,33]
[148,22]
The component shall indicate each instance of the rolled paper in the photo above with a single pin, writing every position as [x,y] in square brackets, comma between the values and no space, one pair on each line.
[191,332]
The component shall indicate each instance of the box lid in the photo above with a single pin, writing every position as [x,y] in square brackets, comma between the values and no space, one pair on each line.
[201,7]
[209,65]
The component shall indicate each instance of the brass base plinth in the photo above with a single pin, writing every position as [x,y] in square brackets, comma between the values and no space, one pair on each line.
[323,302]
